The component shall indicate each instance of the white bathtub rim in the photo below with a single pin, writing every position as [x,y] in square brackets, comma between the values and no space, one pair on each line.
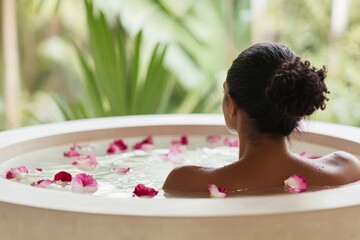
[14,193]
[44,130]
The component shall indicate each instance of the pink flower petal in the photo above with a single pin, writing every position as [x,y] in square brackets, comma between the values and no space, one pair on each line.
[86,163]
[73,152]
[183,141]
[17,173]
[305,154]
[148,140]
[85,183]
[216,192]
[229,143]
[35,172]
[177,149]
[117,146]
[121,170]
[175,159]
[296,183]
[142,191]
[23,169]
[174,154]
[43,183]
[147,147]
[213,139]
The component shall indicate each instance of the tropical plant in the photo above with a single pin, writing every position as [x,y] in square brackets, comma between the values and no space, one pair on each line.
[117,79]
[202,37]
[209,34]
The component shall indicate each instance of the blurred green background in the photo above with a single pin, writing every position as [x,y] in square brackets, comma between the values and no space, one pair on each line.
[65,59]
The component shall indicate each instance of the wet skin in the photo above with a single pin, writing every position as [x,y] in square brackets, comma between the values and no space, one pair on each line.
[264,163]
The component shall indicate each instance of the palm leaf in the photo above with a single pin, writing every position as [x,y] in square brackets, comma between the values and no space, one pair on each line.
[113,83]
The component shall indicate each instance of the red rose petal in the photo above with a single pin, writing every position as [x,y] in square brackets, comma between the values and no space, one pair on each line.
[120,144]
[63,176]
[142,191]
[147,141]
[18,173]
[117,146]
[183,141]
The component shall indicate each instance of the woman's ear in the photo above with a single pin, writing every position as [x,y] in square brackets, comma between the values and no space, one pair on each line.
[232,106]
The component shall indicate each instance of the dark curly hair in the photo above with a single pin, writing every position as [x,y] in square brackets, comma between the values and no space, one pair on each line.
[276,88]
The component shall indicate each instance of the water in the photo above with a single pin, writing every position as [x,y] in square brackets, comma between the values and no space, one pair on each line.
[148,167]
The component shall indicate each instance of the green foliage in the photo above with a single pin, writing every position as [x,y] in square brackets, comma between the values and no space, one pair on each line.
[114,81]
[227,28]
[311,38]
[120,76]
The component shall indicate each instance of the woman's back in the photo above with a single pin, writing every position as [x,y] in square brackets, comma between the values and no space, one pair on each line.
[267,91]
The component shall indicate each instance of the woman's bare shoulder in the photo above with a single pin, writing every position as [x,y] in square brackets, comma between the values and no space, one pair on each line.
[188,178]
[346,165]
[341,158]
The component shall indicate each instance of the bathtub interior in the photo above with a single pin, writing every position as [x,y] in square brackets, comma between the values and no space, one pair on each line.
[17,151]
[146,167]
[54,154]
[43,157]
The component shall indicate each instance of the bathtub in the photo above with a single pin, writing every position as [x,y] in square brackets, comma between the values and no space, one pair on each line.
[34,213]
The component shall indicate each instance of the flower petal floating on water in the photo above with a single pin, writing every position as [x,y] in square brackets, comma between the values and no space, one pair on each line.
[35,172]
[183,141]
[142,191]
[229,143]
[147,147]
[213,139]
[84,183]
[174,154]
[43,183]
[17,173]
[86,163]
[177,149]
[112,149]
[63,178]
[121,170]
[73,152]
[296,183]
[216,192]
[144,144]
[117,146]
[88,147]
[175,159]
[305,154]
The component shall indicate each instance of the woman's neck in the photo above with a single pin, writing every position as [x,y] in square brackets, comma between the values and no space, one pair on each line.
[261,146]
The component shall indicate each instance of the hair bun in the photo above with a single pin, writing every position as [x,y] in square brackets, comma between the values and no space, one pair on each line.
[297,89]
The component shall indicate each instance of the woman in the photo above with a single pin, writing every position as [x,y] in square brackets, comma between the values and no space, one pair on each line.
[268,90]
